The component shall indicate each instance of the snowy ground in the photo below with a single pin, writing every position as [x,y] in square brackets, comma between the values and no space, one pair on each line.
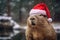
[56,27]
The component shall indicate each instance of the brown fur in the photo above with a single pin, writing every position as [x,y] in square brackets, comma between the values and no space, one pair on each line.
[42,30]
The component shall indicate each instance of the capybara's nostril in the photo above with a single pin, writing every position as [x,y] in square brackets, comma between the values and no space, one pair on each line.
[32,18]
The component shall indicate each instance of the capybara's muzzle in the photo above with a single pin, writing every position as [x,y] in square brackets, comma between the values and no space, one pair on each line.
[32,21]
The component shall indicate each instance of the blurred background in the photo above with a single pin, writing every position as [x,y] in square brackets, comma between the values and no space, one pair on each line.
[19,11]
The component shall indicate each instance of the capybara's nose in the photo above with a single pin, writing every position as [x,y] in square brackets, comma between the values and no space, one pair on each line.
[32,18]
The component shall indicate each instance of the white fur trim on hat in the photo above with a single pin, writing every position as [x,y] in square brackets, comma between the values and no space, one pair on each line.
[49,19]
[37,11]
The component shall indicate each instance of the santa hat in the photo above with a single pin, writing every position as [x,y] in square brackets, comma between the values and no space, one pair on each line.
[36,11]
[41,8]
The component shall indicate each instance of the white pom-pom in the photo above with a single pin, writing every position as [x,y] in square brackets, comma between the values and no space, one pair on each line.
[49,19]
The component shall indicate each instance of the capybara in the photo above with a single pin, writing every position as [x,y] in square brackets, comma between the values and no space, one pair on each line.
[38,28]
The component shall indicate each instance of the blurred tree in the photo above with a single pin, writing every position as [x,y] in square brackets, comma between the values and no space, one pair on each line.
[8,8]
[24,8]
[56,5]
[2,6]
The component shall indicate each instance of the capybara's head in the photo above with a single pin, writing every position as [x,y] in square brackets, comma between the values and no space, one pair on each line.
[36,20]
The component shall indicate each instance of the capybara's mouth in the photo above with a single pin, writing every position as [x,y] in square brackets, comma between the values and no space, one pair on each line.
[32,21]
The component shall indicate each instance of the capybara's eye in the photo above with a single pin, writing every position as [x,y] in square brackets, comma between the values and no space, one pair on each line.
[32,18]
[43,15]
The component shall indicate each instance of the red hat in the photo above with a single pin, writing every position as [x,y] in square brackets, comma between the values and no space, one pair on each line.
[40,8]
